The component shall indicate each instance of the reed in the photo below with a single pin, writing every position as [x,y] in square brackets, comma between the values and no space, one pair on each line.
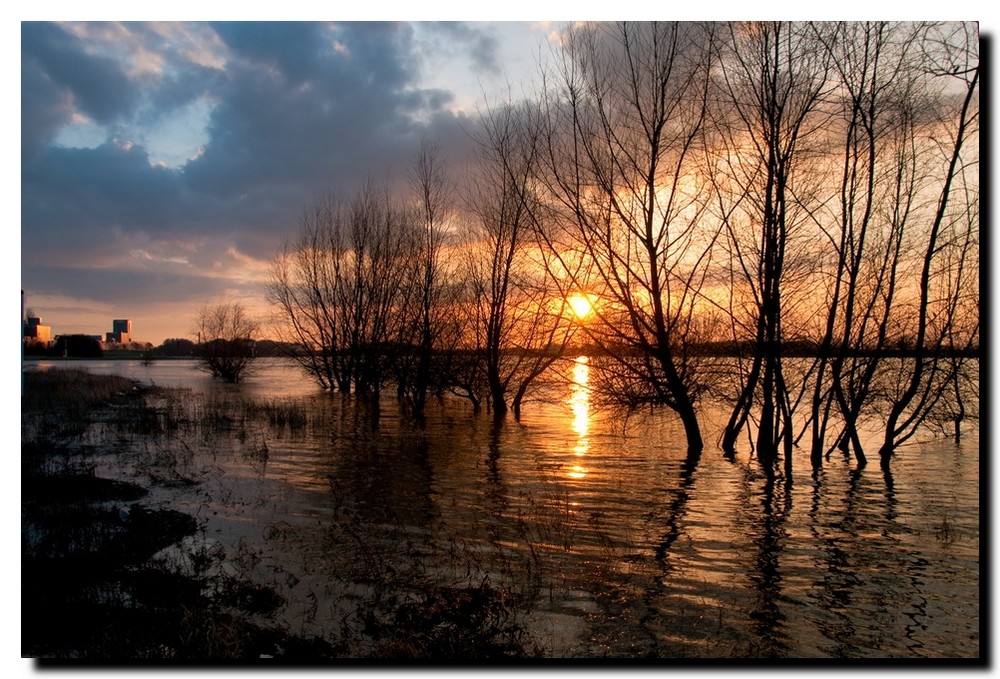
[163,591]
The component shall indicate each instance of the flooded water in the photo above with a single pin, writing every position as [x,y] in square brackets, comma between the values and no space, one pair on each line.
[617,544]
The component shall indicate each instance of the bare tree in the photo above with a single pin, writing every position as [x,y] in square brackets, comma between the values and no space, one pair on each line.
[432,330]
[382,240]
[808,186]
[226,335]
[950,240]
[344,289]
[627,110]
[520,322]
[303,289]
[891,262]
[772,78]
[877,68]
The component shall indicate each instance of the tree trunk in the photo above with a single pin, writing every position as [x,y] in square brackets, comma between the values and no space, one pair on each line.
[692,431]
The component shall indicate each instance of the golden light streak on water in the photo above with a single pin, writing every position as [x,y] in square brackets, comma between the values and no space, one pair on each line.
[713,558]
[579,401]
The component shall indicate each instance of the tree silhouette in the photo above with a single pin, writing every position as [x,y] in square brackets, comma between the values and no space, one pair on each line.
[626,111]
[226,335]
[520,321]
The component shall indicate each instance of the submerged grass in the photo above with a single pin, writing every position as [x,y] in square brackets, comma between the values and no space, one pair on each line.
[109,576]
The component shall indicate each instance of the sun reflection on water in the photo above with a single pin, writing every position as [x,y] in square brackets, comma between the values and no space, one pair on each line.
[579,402]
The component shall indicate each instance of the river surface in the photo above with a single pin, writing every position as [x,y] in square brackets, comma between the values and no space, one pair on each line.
[618,545]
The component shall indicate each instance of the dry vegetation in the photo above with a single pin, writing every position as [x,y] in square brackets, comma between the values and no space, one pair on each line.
[100,585]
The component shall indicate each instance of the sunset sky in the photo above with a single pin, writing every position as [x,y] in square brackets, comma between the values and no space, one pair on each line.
[163,164]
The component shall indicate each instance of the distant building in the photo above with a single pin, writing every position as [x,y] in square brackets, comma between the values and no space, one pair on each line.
[121,331]
[35,332]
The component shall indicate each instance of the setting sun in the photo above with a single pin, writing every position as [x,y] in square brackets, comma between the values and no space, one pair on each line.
[581,305]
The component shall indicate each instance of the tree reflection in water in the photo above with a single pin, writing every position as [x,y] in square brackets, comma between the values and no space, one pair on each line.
[628,544]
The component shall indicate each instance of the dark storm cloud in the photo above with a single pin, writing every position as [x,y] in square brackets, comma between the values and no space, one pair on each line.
[99,87]
[184,84]
[296,49]
[45,107]
[297,110]
[115,183]
[308,106]
[129,289]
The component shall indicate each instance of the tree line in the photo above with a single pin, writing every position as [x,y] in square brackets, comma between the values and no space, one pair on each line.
[759,186]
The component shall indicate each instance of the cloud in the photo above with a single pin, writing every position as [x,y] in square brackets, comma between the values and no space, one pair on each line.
[479,44]
[217,136]
[295,110]
[73,198]
[294,49]
[97,84]
[45,108]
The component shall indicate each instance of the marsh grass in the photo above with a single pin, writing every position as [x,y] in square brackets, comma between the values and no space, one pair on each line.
[108,576]
[62,403]
[424,593]
[92,588]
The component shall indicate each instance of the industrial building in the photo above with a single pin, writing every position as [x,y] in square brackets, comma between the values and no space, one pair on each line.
[121,331]
[35,332]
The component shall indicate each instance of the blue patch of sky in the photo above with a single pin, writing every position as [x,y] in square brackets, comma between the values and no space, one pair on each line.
[495,60]
[171,139]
